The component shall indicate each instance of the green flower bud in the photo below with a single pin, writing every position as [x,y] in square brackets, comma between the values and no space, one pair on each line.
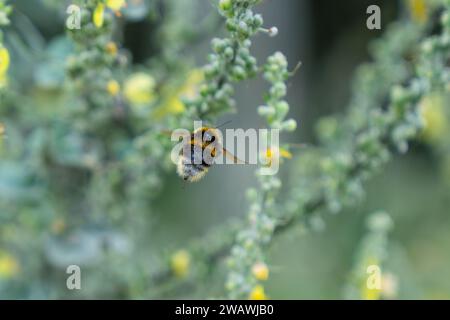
[398,94]
[282,108]
[278,90]
[445,20]
[243,28]
[266,111]
[211,69]
[231,26]
[239,72]
[258,21]
[279,59]
[229,53]
[218,45]
[289,125]
[225,5]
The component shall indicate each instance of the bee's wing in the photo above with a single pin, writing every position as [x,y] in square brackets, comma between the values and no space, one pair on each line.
[229,155]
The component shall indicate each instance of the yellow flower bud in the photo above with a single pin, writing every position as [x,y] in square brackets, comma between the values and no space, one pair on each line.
[173,105]
[8,265]
[4,65]
[115,5]
[113,87]
[111,48]
[369,288]
[273,152]
[434,117]
[370,293]
[98,16]
[257,293]
[139,88]
[419,10]
[285,153]
[260,271]
[180,263]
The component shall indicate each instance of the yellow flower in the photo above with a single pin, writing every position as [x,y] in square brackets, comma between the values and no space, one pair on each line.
[111,48]
[370,294]
[369,283]
[285,153]
[139,88]
[115,5]
[260,271]
[113,87]
[8,265]
[419,10]
[180,263]
[388,289]
[173,104]
[2,129]
[434,117]
[4,65]
[257,293]
[276,152]
[99,14]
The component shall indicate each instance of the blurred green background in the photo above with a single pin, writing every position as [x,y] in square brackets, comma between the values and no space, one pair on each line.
[331,40]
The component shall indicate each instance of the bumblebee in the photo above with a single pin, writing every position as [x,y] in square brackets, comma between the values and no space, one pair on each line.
[192,164]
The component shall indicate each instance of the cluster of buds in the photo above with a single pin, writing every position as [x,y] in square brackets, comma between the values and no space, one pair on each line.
[276,108]
[231,60]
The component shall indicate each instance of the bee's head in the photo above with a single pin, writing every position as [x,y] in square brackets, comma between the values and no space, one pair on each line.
[210,134]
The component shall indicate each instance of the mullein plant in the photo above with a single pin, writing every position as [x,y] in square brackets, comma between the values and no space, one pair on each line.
[108,144]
